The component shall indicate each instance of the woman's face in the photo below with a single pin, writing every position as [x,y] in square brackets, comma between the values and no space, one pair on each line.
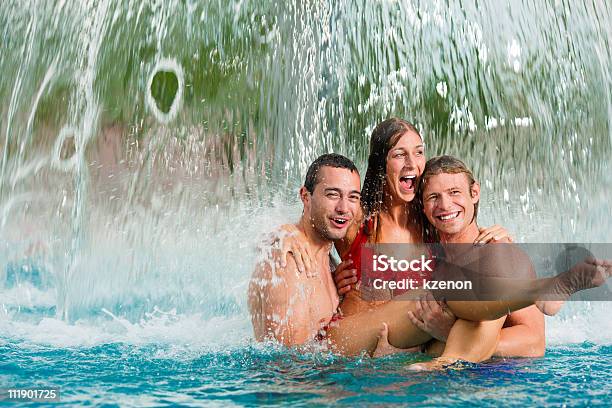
[405,162]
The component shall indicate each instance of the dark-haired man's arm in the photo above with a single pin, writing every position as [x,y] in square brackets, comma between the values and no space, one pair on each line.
[278,307]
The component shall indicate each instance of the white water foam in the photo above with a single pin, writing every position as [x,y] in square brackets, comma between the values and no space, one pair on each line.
[183,331]
[578,322]
[72,162]
[195,332]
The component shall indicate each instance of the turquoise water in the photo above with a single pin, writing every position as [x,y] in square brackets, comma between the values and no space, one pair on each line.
[209,359]
[145,146]
[162,374]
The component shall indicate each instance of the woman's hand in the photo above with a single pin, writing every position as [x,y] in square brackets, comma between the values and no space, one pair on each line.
[432,317]
[293,241]
[345,277]
[494,233]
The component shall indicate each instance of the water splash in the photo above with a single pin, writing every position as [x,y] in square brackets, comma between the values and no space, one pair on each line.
[128,203]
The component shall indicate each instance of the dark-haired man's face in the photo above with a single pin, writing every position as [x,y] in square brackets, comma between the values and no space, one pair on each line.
[334,203]
[448,202]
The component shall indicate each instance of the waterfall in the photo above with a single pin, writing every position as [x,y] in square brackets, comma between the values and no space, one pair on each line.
[146,145]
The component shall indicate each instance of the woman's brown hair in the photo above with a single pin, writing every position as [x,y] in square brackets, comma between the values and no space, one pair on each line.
[384,137]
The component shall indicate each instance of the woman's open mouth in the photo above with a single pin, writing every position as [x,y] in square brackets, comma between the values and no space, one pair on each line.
[407,183]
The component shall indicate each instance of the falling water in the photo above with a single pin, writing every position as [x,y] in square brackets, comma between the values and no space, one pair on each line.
[147,144]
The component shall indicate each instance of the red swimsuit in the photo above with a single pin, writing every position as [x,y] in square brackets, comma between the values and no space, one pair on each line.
[356,253]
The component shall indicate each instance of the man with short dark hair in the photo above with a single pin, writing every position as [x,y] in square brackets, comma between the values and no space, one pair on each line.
[333,160]
[290,306]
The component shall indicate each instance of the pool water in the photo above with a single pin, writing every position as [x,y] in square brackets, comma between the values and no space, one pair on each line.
[170,358]
[162,374]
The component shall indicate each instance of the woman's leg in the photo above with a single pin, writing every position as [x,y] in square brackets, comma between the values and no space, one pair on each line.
[359,332]
[473,341]
[353,304]
[548,294]
[477,311]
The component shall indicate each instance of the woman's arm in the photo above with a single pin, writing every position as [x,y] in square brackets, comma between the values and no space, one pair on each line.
[293,242]
[493,234]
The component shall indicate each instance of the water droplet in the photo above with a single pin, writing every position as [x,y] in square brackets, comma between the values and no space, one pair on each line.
[442,89]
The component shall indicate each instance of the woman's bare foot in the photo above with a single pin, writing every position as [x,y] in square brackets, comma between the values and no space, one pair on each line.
[588,274]
[439,363]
